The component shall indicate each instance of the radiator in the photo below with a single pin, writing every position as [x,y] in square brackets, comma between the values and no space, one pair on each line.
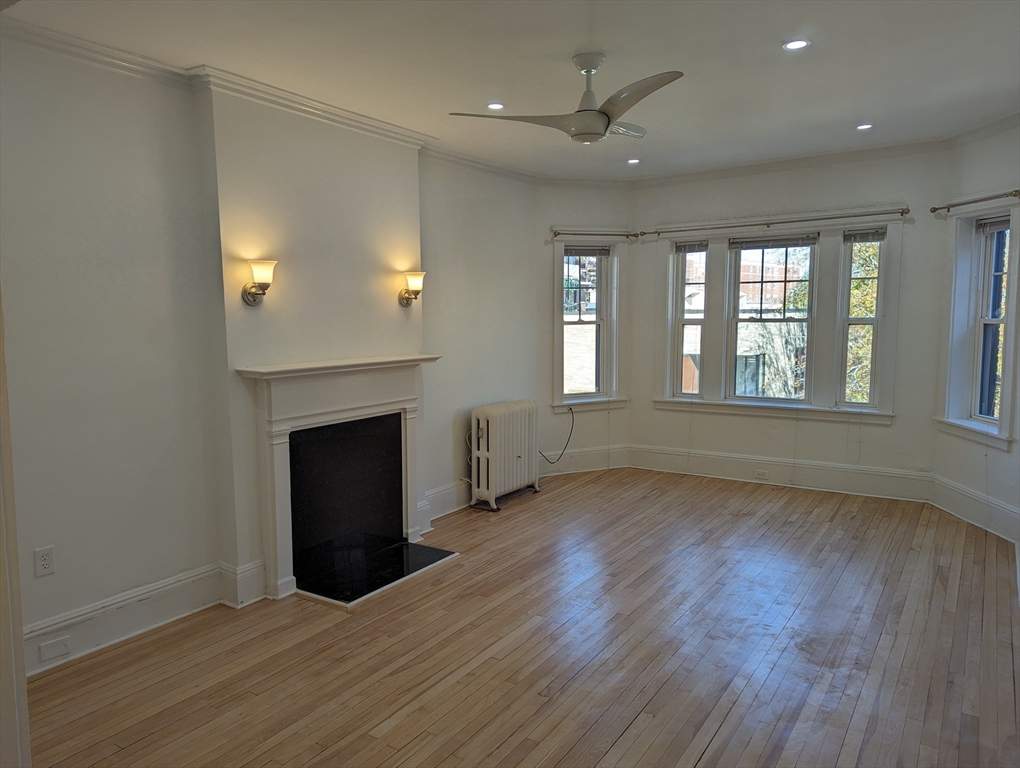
[504,450]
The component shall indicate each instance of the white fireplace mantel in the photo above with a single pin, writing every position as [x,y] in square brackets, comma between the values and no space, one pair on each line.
[297,396]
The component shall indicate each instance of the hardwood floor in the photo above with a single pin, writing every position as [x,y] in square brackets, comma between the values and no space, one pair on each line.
[618,618]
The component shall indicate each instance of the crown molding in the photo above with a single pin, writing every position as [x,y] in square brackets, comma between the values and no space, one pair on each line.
[204,77]
[479,165]
[986,131]
[94,53]
[221,81]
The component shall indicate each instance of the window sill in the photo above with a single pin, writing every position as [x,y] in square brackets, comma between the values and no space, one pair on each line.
[777,410]
[590,404]
[975,431]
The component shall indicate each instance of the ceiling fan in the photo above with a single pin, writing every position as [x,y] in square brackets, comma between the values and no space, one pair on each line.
[591,122]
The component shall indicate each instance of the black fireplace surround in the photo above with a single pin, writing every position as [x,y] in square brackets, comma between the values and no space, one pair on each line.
[347,509]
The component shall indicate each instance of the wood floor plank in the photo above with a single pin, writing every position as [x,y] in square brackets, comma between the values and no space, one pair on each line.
[617,618]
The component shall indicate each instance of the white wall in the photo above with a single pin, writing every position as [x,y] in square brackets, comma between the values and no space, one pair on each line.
[480,310]
[339,211]
[906,445]
[987,162]
[112,296]
[596,432]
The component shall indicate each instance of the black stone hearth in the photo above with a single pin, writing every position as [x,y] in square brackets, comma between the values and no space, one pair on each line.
[347,519]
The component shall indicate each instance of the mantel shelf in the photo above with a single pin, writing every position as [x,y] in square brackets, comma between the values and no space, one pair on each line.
[295,370]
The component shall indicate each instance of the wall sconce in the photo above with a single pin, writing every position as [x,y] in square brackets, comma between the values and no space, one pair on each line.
[262,278]
[414,283]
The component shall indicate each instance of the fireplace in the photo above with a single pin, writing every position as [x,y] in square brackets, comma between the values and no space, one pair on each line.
[291,399]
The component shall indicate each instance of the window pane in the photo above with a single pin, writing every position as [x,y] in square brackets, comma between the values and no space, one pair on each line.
[858,364]
[690,364]
[797,299]
[581,359]
[997,293]
[589,279]
[771,360]
[695,272]
[571,280]
[750,300]
[864,260]
[694,285]
[990,392]
[798,263]
[863,297]
[772,298]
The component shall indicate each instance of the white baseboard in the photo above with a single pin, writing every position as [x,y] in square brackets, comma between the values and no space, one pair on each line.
[588,460]
[824,476]
[977,508]
[124,615]
[284,588]
[243,585]
[446,500]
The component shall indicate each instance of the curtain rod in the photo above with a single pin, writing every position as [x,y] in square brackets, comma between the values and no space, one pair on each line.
[771,222]
[557,233]
[743,225]
[950,206]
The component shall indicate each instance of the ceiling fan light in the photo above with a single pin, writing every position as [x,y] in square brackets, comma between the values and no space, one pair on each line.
[796,45]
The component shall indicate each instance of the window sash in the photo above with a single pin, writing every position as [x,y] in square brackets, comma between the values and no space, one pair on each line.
[597,321]
[850,320]
[989,348]
[795,364]
[687,368]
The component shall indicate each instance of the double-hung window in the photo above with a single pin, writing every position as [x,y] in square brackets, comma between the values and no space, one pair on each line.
[980,383]
[770,324]
[689,302]
[785,321]
[991,317]
[585,338]
[862,257]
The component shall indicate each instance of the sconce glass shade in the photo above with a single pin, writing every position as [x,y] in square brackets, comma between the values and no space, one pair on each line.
[414,280]
[414,284]
[262,271]
[262,277]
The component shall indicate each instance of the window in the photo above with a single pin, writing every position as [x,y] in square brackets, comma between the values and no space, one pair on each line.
[586,323]
[769,329]
[786,322]
[979,387]
[689,261]
[862,259]
[991,324]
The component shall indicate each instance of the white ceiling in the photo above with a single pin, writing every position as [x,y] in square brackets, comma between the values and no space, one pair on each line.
[918,71]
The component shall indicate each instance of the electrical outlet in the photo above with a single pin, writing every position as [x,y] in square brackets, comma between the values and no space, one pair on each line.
[44,562]
[761,474]
[61,646]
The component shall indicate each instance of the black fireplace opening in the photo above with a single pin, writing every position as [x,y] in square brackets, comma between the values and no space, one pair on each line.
[347,509]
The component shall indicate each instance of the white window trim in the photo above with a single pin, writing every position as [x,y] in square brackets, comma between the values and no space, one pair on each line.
[677,280]
[957,377]
[611,396]
[823,382]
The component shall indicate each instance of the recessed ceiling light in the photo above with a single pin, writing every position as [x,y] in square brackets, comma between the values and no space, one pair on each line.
[796,45]
[864,127]
[633,161]
[495,105]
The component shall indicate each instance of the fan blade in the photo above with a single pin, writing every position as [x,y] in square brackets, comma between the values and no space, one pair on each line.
[628,129]
[559,122]
[587,125]
[625,98]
